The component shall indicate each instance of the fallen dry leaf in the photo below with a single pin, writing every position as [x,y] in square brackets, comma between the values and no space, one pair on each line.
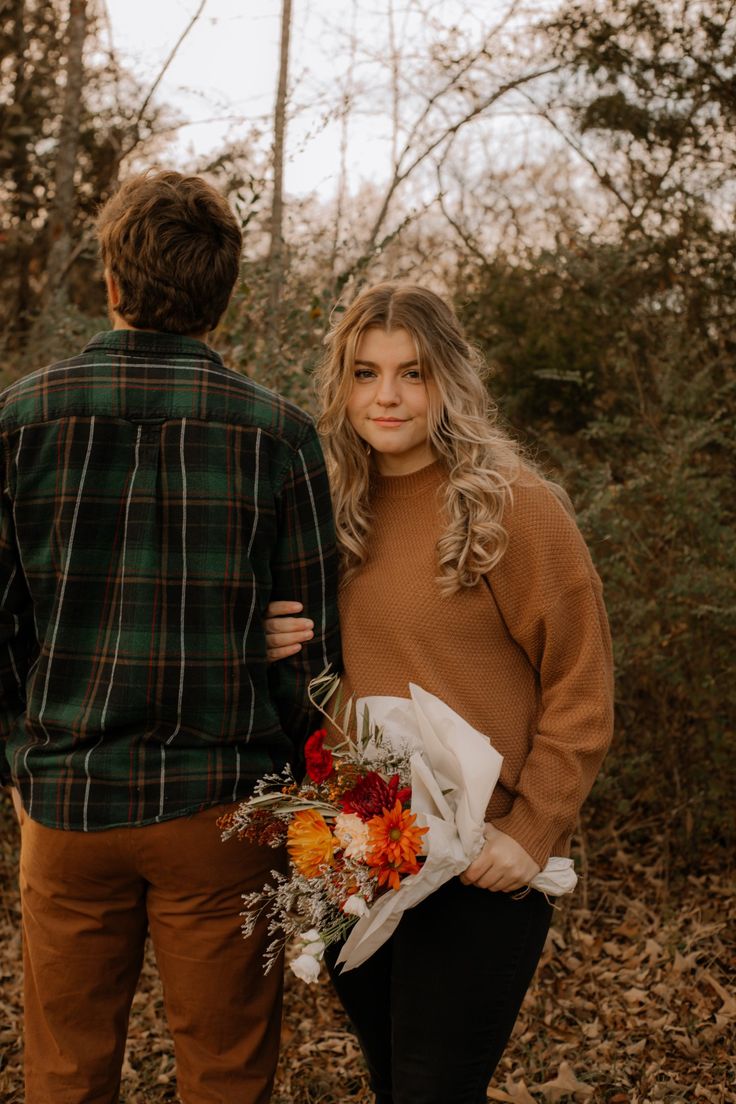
[565,1082]
[706,1094]
[634,1051]
[728,1008]
[518,1092]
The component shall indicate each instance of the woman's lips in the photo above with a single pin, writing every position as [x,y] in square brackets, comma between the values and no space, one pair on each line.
[389,421]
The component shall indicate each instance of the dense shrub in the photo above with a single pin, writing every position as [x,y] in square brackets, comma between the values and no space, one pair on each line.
[644,434]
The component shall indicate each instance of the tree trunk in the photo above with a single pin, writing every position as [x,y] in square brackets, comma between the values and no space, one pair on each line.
[21,202]
[276,267]
[342,181]
[62,218]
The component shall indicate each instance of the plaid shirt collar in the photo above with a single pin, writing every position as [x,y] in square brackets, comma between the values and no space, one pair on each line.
[152,343]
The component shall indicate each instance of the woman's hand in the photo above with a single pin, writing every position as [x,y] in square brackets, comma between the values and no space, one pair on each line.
[503,865]
[285,633]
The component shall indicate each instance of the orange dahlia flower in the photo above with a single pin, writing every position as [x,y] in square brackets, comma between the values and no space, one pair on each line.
[310,843]
[394,841]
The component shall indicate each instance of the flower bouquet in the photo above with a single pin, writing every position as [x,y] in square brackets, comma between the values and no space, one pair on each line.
[382,819]
[349,831]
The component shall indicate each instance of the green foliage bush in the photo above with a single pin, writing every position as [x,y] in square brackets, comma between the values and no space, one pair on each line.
[627,385]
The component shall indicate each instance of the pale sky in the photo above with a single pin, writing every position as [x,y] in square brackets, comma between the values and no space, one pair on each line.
[228,66]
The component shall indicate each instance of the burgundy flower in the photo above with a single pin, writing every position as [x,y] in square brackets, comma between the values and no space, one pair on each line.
[317,757]
[371,794]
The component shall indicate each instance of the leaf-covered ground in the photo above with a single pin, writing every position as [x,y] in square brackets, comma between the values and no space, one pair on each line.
[633,1002]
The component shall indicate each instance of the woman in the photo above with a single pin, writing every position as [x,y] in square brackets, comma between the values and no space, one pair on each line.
[463,572]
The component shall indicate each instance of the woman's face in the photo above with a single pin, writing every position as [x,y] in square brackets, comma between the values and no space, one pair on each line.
[389,402]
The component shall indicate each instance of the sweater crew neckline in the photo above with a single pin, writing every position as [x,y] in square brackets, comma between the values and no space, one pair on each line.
[407,486]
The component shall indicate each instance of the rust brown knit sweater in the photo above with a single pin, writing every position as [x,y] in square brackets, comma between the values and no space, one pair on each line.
[526,660]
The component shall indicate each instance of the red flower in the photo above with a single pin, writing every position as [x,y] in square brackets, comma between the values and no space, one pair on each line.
[318,758]
[371,795]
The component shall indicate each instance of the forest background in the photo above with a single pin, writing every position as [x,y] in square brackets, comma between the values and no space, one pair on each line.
[565,172]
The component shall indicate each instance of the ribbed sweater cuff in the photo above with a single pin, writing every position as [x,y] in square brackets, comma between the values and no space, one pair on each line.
[523,825]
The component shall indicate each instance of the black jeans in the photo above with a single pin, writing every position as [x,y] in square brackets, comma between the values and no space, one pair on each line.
[434,1007]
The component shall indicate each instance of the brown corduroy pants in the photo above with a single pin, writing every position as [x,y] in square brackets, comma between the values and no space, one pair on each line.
[88,900]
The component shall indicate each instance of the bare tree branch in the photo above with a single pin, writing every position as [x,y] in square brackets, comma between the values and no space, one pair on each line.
[602,176]
[276,248]
[433,100]
[401,174]
[136,137]
[342,182]
[464,236]
[364,260]
[395,92]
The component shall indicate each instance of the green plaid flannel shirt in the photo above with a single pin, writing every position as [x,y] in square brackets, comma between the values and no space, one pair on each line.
[153,502]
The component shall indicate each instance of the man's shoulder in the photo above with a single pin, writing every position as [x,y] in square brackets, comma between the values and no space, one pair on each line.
[271,411]
[21,396]
[151,378]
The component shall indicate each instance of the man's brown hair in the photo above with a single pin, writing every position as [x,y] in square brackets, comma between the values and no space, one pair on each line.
[173,246]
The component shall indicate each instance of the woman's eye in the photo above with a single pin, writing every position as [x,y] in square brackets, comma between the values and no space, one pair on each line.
[363,373]
[413,374]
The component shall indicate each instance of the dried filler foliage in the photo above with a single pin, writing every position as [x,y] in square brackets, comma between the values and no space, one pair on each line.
[633,1002]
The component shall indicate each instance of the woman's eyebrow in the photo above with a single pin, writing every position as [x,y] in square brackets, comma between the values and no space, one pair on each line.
[371,364]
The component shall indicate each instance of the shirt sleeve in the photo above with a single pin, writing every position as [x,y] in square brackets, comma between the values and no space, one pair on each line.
[552,602]
[304,568]
[17,634]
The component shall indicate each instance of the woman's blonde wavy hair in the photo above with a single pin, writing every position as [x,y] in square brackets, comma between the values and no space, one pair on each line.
[482,460]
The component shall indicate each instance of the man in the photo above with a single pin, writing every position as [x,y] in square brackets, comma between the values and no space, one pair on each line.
[152,502]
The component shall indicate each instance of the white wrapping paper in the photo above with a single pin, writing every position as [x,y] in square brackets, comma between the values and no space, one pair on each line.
[454,770]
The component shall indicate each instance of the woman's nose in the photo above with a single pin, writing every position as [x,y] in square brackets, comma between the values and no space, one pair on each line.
[386,394]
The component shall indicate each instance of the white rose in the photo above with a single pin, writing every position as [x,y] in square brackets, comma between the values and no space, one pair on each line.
[306,967]
[352,835]
[355,905]
[311,943]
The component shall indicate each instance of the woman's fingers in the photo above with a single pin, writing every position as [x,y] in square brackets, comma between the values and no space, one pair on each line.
[280,609]
[285,633]
[494,881]
[502,883]
[502,866]
[287,630]
[286,639]
[274,654]
[281,624]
